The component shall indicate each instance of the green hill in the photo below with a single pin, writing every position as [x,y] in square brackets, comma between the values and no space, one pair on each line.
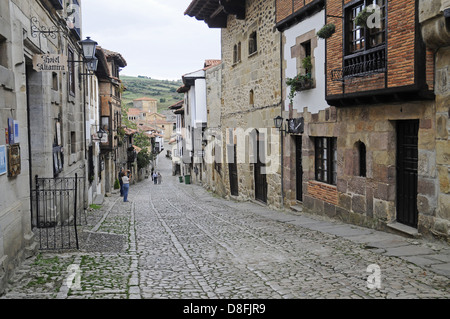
[165,91]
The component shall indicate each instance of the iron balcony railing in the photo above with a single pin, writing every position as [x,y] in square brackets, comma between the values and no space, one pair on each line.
[361,64]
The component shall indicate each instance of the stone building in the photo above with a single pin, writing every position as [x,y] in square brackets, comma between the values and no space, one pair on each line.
[303,57]
[195,117]
[374,119]
[214,178]
[372,158]
[42,106]
[251,95]
[110,91]
[146,104]
[178,146]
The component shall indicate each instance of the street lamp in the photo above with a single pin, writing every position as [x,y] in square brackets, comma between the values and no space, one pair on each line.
[89,46]
[92,64]
[278,122]
[100,133]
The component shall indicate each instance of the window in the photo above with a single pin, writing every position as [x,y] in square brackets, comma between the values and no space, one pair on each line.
[365,47]
[326,159]
[73,143]
[3,52]
[105,123]
[71,72]
[252,44]
[306,61]
[55,81]
[252,97]
[237,53]
[360,38]
[362,159]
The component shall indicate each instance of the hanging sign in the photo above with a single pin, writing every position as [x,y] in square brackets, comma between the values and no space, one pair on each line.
[50,63]
[296,126]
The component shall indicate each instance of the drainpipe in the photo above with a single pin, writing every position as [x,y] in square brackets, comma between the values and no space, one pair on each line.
[282,108]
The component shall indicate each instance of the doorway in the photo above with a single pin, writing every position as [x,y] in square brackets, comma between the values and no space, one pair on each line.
[260,169]
[299,168]
[407,165]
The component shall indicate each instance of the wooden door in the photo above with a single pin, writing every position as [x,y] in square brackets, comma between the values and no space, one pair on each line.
[407,164]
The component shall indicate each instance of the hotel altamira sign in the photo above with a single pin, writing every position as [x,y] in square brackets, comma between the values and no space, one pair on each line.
[50,63]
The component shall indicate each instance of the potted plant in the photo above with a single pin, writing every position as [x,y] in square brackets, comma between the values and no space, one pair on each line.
[299,83]
[326,31]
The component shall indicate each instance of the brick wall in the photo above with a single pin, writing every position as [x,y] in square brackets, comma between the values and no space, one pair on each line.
[334,52]
[401,50]
[285,8]
[325,192]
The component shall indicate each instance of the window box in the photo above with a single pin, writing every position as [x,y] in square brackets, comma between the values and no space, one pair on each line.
[299,83]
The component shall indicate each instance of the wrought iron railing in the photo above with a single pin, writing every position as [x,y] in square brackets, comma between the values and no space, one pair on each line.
[361,64]
[57,208]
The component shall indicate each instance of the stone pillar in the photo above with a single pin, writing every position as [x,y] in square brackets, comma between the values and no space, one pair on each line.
[436,34]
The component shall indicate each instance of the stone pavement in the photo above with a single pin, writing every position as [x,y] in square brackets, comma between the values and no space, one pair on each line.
[178,241]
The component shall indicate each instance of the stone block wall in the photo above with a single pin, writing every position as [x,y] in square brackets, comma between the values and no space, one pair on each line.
[371,200]
[251,90]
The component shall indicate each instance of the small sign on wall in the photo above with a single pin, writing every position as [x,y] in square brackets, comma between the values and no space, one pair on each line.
[14,160]
[3,163]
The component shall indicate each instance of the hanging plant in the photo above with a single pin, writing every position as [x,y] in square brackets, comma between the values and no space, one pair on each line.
[299,83]
[326,31]
[362,17]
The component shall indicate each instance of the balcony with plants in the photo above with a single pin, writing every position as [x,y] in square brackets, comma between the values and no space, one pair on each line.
[302,81]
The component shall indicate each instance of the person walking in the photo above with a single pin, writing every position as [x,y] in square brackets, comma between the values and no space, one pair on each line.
[155,178]
[126,185]
[159,178]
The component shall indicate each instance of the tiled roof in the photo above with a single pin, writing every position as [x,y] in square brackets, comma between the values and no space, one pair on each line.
[177,105]
[211,63]
[145,99]
[134,111]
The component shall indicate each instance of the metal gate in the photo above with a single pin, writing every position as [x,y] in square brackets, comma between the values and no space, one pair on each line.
[58,206]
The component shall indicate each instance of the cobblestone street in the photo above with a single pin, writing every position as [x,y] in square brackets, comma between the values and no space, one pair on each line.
[178,241]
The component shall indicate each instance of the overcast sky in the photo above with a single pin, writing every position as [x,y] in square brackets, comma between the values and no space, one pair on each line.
[154,36]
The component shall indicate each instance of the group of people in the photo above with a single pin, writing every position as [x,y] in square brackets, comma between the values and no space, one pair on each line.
[156,177]
[124,181]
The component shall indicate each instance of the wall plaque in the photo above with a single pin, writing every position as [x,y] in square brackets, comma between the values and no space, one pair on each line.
[13,160]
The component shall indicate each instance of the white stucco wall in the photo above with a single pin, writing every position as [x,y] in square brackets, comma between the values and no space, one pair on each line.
[200,102]
[314,98]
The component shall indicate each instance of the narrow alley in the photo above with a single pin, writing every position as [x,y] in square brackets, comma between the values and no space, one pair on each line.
[177,241]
